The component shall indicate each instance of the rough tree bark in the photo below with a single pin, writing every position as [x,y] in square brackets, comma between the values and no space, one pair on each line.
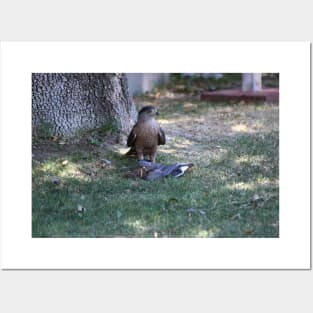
[69,102]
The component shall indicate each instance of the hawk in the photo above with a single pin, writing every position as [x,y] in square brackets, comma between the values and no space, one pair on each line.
[146,135]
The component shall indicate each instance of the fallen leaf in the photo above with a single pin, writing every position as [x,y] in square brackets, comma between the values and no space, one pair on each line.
[236,216]
[172,199]
[81,209]
[106,161]
[191,210]
[256,197]
[195,211]
[55,180]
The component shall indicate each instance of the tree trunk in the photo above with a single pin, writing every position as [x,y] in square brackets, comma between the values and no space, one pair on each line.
[69,102]
[251,82]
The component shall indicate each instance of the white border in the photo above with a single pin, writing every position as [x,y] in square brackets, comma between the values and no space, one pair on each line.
[290,251]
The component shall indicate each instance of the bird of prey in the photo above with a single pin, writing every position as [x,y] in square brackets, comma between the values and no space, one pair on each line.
[146,135]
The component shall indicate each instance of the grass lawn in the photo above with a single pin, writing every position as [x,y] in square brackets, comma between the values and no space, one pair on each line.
[81,187]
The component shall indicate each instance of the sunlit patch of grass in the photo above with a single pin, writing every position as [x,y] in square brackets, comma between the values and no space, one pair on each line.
[239,128]
[246,159]
[241,185]
[253,185]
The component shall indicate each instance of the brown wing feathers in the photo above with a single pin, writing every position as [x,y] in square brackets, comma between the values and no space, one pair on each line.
[161,137]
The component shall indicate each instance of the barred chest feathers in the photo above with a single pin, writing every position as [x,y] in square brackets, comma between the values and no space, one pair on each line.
[148,133]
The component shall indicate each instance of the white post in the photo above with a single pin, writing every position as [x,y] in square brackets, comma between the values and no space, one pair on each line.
[251,82]
[139,83]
